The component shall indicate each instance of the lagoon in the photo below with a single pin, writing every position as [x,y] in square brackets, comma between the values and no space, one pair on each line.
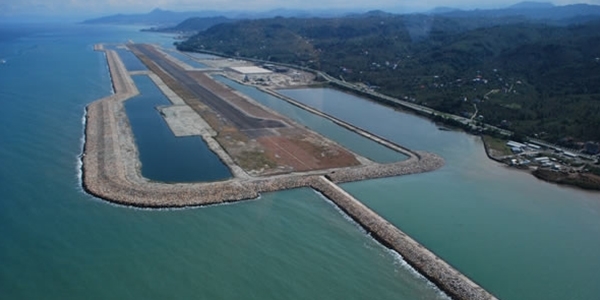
[131,62]
[518,237]
[57,242]
[164,156]
[351,140]
[183,57]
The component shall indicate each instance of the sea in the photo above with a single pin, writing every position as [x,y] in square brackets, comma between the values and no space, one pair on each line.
[518,237]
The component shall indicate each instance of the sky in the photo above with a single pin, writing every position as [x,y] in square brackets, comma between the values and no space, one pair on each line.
[96,8]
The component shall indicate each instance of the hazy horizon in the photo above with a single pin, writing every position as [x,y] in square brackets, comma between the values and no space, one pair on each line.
[82,9]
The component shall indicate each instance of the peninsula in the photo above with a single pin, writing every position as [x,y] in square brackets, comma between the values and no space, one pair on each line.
[265,152]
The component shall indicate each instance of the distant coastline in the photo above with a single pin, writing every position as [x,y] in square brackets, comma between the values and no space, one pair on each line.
[111,166]
[582,180]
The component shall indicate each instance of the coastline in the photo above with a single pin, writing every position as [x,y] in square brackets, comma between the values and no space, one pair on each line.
[111,171]
[111,167]
[581,181]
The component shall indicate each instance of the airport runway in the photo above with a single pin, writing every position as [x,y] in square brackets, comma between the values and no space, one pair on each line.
[241,120]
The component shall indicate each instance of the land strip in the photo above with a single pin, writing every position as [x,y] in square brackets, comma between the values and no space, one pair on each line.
[435,269]
[243,127]
[111,165]
[111,170]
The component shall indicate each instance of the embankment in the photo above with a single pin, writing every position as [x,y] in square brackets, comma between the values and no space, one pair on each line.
[451,281]
[111,167]
[111,171]
[360,131]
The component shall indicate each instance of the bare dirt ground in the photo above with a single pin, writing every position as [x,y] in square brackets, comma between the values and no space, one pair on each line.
[290,78]
[259,151]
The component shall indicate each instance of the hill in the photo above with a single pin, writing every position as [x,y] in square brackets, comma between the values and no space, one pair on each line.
[194,24]
[532,10]
[165,18]
[534,78]
[155,17]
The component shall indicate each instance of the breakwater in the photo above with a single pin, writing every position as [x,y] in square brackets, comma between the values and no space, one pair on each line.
[111,167]
[111,171]
[378,139]
[447,278]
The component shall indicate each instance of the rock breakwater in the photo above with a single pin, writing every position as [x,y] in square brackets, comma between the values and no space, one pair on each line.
[111,171]
[426,262]
[111,167]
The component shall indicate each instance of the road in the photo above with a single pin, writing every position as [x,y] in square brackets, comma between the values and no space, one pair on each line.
[241,120]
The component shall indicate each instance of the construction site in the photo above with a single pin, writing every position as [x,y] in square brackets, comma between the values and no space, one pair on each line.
[264,151]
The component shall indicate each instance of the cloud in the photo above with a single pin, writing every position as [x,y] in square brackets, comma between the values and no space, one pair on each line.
[88,7]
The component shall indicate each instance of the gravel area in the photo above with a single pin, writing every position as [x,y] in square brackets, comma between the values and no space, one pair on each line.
[111,172]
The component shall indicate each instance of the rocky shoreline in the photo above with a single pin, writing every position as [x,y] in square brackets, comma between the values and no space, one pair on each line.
[111,171]
[579,180]
[111,167]
[447,278]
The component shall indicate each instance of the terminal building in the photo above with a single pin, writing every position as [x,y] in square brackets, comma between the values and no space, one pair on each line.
[250,70]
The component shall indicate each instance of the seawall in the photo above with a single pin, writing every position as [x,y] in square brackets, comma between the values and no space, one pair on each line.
[111,166]
[447,278]
[358,130]
[111,171]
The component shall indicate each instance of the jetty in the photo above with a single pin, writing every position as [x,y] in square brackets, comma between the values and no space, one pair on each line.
[111,166]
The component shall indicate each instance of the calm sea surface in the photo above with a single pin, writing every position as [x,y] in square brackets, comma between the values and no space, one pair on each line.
[518,237]
[56,242]
[165,157]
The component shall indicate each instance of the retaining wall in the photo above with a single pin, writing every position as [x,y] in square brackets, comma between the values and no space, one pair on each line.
[451,281]
[111,171]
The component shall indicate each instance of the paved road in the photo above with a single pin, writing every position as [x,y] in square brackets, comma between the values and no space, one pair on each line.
[241,120]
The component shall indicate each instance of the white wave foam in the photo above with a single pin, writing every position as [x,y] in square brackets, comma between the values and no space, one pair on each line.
[79,164]
[398,259]
[343,213]
[112,86]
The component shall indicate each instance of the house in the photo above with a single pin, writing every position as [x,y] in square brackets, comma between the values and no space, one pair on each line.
[513,144]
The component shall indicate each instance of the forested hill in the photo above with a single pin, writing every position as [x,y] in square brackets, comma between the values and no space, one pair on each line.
[535,11]
[194,24]
[529,77]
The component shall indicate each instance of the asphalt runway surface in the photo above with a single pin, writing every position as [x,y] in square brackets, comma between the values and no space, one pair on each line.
[241,120]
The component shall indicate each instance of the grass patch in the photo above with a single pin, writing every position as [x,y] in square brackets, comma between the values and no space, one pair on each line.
[255,160]
[496,145]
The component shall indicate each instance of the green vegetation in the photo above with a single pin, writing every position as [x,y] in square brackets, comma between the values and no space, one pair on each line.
[255,160]
[496,145]
[195,24]
[534,79]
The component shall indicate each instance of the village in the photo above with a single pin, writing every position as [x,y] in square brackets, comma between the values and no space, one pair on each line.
[547,162]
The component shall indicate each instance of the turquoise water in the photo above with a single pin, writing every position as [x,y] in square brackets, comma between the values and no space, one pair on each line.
[519,237]
[165,157]
[353,141]
[131,62]
[56,242]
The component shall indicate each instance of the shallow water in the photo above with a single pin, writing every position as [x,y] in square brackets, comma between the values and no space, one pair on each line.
[351,140]
[164,156]
[57,242]
[518,237]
